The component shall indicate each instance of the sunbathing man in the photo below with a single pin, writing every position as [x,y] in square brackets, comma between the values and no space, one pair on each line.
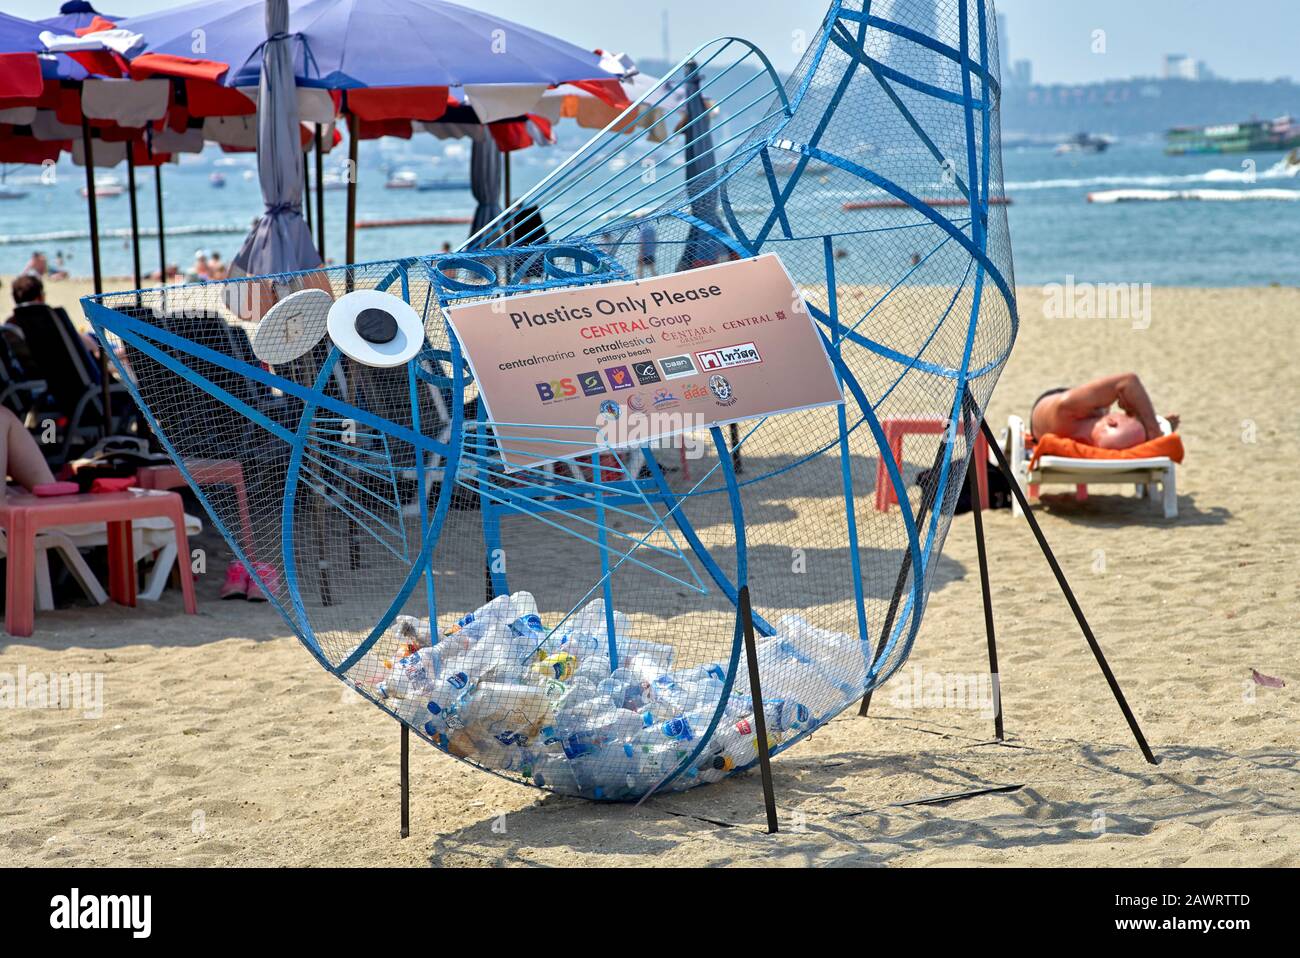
[1085,413]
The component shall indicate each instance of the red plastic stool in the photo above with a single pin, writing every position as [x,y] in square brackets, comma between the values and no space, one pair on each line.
[896,430]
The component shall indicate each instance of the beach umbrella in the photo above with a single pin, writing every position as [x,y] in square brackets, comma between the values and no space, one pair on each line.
[20,67]
[485,181]
[701,174]
[75,15]
[280,241]
[63,65]
[386,59]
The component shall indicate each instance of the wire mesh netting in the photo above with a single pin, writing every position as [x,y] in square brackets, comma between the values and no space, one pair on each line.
[576,625]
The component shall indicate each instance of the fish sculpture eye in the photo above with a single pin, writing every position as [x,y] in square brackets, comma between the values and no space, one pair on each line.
[376,328]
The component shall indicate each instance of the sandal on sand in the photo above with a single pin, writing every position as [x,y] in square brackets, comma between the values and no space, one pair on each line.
[263,574]
[237,582]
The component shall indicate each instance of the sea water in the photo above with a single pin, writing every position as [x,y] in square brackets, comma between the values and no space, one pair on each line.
[1056,233]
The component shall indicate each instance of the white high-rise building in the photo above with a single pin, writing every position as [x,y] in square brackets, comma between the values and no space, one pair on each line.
[1004,49]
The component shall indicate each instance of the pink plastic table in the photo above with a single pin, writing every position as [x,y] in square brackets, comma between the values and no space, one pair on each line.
[22,516]
[206,472]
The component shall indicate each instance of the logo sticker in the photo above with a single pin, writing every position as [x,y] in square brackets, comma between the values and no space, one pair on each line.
[723,394]
[591,383]
[646,373]
[619,377]
[556,390]
[677,366]
[742,354]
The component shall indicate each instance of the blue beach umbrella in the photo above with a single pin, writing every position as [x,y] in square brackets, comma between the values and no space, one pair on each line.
[280,241]
[415,50]
[20,69]
[74,15]
[350,44]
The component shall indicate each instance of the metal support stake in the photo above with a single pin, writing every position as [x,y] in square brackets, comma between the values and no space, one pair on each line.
[760,720]
[162,230]
[406,780]
[973,484]
[1069,593]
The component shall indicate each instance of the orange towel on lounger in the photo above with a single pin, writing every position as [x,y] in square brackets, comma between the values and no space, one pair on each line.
[1167,447]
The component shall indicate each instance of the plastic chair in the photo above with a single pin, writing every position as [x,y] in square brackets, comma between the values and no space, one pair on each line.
[896,430]
[60,542]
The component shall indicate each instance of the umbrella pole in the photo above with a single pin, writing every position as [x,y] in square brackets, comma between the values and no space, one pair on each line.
[135,216]
[157,193]
[162,232]
[320,195]
[353,129]
[98,276]
[507,180]
[306,187]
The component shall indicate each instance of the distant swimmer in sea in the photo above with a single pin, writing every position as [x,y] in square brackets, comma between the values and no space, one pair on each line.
[1088,413]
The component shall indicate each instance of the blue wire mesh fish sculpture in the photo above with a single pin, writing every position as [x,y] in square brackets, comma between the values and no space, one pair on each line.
[608,663]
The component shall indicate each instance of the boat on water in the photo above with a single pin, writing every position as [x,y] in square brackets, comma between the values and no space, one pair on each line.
[218,180]
[437,186]
[1085,143]
[1110,197]
[402,180]
[9,192]
[1250,136]
[106,185]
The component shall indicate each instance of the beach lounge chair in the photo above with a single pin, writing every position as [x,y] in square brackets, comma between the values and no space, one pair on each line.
[1146,474]
[58,540]
[19,390]
[152,538]
[72,382]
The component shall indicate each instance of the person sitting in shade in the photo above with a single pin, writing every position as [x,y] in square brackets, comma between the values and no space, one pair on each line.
[28,290]
[1089,415]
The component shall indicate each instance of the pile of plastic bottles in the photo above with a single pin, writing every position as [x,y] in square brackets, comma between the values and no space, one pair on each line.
[502,690]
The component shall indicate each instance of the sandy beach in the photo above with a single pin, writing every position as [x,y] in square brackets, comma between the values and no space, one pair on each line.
[221,742]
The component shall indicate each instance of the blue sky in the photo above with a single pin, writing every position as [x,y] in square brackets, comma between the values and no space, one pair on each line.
[1244,39]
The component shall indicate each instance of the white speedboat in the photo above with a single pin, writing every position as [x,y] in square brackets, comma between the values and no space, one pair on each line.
[106,185]
[403,180]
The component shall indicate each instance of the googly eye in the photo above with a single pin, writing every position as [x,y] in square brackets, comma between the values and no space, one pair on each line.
[375,329]
[292,327]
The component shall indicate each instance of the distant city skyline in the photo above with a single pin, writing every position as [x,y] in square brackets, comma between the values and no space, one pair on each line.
[1249,39]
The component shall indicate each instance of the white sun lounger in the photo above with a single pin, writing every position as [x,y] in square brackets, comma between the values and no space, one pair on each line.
[151,537]
[1146,474]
